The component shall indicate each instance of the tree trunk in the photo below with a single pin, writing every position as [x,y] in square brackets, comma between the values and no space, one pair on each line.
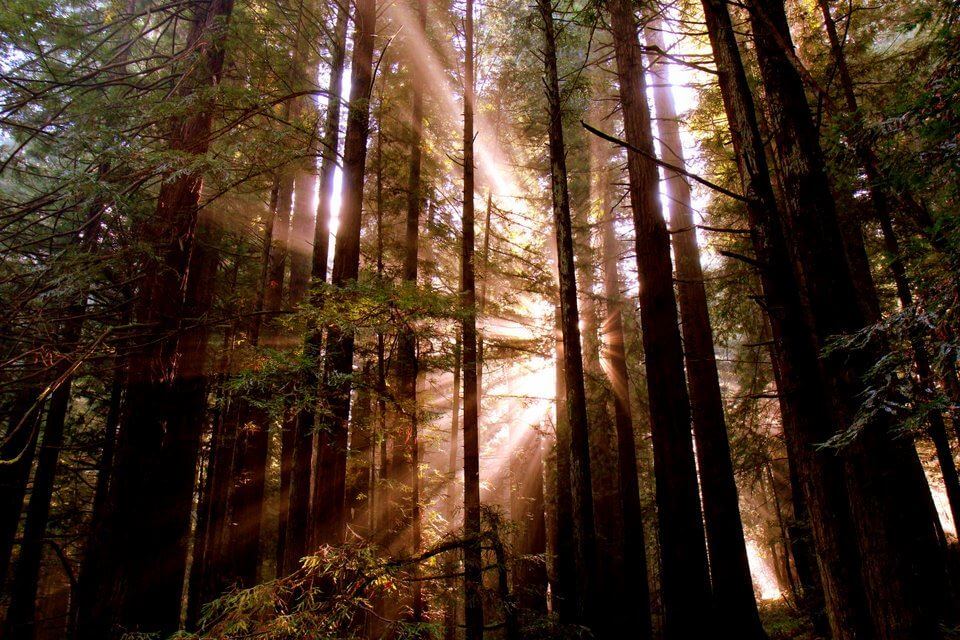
[729,569]
[21,613]
[252,424]
[297,445]
[17,451]
[563,590]
[450,610]
[584,534]
[634,551]
[299,436]
[329,145]
[881,200]
[807,423]
[405,463]
[472,560]
[211,570]
[685,581]
[328,509]
[157,456]
[527,511]
[302,228]
[902,567]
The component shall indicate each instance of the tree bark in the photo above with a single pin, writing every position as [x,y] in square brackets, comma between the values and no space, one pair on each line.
[472,560]
[405,463]
[901,562]
[807,422]
[157,455]
[329,144]
[17,451]
[328,510]
[251,425]
[21,613]
[527,511]
[685,581]
[634,552]
[584,533]
[302,228]
[882,199]
[729,569]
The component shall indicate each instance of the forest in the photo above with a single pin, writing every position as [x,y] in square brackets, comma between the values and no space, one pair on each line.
[464,319]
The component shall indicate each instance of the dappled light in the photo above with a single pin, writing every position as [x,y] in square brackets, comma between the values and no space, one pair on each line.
[457,320]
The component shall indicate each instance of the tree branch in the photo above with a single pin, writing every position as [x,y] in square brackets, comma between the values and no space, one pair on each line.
[665,165]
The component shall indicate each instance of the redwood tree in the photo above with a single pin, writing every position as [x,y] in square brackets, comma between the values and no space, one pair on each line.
[729,569]
[685,581]
[157,456]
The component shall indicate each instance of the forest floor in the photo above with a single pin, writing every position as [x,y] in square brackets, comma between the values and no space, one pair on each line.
[783,622]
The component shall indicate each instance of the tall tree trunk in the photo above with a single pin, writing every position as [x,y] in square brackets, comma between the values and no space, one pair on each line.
[405,447]
[328,509]
[634,552]
[563,590]
[251,424]
[329,144]
[300,441]
[527,511]
[21,613]
[902,567]
[156,462]
[729,570]
[211,570]
[617,593]
[472,560]
[882,199]
[576,403]
[807,423]
[302,228]
[686,587]
[450,610]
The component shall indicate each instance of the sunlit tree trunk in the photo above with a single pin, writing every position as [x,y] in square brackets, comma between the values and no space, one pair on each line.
[584,534]
[302,228]
[329,145]
[249,426]
[450,512]
[328,510]
[527,511]
[406,523]
[359,498]
[685,583]
[618,592]
[729,569]
[297,531]
[405,461]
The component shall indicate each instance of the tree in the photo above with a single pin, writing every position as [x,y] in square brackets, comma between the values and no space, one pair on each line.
[686,586]
[889,502]
[584,535]
[165,397]
[472,559]
[729,570]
